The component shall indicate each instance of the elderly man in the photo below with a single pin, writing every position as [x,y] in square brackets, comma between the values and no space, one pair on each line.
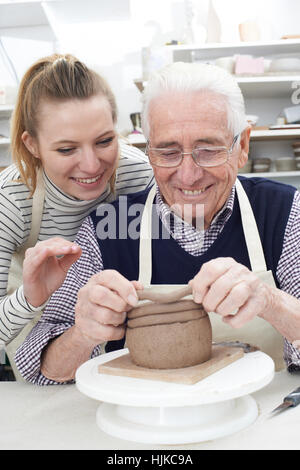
[244,265]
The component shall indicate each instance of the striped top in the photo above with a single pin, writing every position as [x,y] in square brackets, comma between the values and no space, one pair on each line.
[62,216]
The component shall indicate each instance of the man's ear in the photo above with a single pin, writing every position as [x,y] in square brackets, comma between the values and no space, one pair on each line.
[31,144]
[244,147]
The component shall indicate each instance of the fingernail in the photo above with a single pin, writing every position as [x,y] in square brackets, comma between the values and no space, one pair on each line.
[132,300]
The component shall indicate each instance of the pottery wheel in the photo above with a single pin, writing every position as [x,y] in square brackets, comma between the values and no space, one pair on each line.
[157,412]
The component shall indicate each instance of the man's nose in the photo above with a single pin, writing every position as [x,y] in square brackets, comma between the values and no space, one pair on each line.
[188,171]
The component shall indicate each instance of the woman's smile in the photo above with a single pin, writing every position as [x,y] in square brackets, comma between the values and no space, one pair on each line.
[89,182]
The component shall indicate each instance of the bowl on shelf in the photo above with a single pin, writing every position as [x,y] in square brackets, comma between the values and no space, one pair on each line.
[261,165]
[297,153]
[297,161]
[285,64]
[296,148]
[226,63]
[285,164]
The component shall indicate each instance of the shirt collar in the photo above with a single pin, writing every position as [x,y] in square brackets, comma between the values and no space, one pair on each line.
[171,220]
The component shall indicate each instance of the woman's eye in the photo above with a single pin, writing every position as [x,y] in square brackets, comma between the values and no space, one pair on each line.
[65,151]
[105,141]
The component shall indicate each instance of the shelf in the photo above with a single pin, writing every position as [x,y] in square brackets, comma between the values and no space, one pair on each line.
[6,110]
[262,86]
[256,136]
[274,174]
[4,142]
[272,134]
[288,177]
[268,86]
[215,50]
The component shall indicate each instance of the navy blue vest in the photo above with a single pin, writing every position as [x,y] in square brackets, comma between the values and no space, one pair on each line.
[271,204]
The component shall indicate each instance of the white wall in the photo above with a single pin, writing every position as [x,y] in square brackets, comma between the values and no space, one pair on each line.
[109,35]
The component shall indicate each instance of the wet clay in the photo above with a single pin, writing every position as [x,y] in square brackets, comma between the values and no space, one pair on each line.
[168,333]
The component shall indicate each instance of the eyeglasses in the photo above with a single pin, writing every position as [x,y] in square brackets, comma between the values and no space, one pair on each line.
[202,156]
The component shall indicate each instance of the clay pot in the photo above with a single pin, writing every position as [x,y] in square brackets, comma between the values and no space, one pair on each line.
[169,336]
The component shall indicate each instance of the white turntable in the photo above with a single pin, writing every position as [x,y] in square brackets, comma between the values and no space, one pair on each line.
[158,412]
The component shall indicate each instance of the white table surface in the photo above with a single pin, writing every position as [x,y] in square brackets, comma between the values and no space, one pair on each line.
[60,417]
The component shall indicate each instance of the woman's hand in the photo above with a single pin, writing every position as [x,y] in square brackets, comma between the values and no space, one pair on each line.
[102,305]
[45,268]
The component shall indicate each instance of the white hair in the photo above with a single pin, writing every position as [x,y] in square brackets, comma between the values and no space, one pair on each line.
[187,77]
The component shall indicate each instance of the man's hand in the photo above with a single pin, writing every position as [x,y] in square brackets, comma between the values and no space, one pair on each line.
[45,268]
[102,305]
[230,289]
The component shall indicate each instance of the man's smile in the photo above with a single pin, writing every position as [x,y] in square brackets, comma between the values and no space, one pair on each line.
[194,193]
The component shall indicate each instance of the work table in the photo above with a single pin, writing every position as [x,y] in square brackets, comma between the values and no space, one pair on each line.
[60,417]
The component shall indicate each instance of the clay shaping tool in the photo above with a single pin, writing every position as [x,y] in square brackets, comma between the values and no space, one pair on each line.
[291,400]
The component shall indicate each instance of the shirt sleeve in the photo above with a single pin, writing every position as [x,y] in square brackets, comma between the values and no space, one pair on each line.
[59,312]
[288,272]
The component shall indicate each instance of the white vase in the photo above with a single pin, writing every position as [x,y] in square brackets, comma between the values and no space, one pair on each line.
[195,20]
[213,24]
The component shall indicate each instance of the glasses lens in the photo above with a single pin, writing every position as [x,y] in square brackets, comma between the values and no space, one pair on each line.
[210,156]
[165,157]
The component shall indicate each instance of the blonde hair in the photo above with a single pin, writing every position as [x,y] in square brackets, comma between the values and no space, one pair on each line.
[56,77]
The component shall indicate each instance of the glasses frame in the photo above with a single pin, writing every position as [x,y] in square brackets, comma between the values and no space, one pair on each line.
[225,149]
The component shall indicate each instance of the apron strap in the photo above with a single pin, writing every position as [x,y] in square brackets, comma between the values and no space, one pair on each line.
[145,253]
[37,210]
[253,242]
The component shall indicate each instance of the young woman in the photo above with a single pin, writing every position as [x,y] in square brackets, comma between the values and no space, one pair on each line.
[68,159]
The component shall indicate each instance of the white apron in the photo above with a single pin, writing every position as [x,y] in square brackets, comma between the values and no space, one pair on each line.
[15,276]
[257,332]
